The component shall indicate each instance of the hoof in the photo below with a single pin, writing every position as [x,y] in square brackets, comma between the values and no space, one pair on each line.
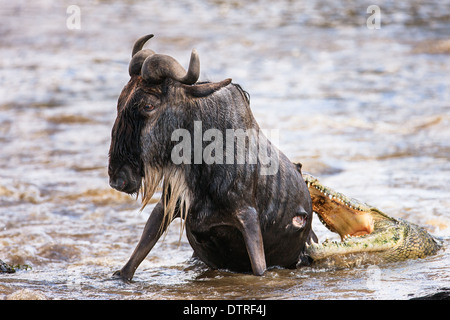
[120,275]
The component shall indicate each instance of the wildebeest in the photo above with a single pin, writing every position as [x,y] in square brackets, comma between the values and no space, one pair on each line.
[237,215]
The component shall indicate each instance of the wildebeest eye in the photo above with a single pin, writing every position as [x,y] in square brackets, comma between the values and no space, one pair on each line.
[149,107]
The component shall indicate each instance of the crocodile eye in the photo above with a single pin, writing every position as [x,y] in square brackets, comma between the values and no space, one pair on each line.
[149,107]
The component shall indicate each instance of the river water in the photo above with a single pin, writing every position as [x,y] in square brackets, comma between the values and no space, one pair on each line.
[366,110]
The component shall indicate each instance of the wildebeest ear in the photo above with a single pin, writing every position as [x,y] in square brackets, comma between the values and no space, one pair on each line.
[205,89]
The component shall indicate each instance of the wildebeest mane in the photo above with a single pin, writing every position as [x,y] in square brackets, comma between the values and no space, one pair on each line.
[244,93]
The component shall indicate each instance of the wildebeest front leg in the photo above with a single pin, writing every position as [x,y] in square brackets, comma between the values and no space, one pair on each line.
[150,236]
[248,224]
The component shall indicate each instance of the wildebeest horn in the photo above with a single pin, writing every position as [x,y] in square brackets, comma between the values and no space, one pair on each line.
[139,55]
[140,43]
[205,89]
[157,67]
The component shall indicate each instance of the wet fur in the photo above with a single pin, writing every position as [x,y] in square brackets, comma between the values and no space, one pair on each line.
[235,218]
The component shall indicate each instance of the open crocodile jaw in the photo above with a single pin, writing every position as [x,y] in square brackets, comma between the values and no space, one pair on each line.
[338,216]
[393,239]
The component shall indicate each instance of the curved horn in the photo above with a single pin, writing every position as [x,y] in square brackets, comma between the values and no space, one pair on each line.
[140,43]
[194,69]
[205,89]
[157,67]
[139,55]
[138,59]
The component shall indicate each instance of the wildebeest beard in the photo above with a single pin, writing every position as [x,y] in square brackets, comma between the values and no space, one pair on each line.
[175,193]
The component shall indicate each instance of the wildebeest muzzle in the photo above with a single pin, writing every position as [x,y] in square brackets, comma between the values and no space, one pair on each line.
[125,180]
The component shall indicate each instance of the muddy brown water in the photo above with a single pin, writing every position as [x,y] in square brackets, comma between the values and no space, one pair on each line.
[367,111]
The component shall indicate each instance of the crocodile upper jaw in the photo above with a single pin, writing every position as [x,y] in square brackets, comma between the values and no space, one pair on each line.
[338,215]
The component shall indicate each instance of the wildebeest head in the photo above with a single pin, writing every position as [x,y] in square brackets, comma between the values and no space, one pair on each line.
[151,106]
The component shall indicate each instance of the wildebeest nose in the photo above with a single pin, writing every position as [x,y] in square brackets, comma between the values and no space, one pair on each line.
[118,183]
[124,179]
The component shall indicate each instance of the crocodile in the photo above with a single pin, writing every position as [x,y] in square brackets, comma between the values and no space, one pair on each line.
[364,229]
[6,268]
